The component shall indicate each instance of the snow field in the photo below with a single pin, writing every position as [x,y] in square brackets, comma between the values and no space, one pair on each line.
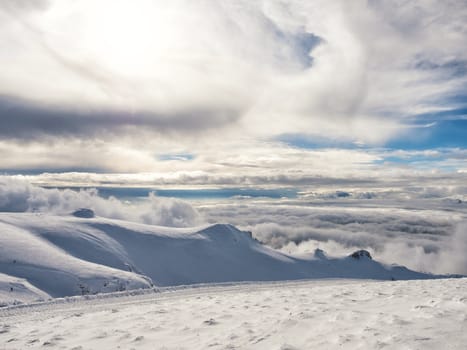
[321,314]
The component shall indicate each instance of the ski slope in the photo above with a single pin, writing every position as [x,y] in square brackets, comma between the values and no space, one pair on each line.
[318,314]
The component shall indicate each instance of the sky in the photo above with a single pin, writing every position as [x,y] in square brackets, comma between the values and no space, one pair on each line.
[233,93]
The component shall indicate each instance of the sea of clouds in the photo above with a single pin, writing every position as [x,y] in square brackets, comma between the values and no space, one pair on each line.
[416,234]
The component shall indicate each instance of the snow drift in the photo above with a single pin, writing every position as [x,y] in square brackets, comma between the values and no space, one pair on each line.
[70,255]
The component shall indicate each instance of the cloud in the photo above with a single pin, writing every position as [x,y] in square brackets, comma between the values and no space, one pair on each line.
[347,71]
[24,120]
[230,163]
[20,196]
[227,82]
[454,259]
[422,234]
[190,49]
[313,172]
[25,5]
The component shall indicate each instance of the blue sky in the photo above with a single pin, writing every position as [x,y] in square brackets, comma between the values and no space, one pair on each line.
[441,134]
[450,133]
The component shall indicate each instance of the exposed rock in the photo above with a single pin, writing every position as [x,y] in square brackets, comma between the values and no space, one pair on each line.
[320,254]
[361,254]
[84,213]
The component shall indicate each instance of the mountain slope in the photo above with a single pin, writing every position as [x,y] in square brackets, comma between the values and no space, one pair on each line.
[67,255]
[17,290]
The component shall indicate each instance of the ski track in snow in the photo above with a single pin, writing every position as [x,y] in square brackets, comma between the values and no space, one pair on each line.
[319,314]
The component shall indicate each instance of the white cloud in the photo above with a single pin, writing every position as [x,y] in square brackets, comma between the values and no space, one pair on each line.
[20,196]
[241,163]
[420,233]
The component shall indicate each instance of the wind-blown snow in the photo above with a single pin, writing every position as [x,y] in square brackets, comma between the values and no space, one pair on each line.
[69,255]
[423,314]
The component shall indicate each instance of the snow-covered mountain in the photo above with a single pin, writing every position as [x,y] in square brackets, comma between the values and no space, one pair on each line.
[44,255]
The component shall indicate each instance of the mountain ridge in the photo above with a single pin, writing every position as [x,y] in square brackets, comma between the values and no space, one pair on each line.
[58,256]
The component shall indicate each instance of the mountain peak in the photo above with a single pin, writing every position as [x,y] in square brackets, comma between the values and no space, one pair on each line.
[361,254]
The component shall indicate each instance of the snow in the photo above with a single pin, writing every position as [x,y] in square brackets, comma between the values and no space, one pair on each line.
[53,270]
[69,255]
[17,290]
[85,282]
[318,314]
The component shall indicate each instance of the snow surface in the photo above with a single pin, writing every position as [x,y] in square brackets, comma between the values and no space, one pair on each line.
[319,314]
[61,256]
[17,290]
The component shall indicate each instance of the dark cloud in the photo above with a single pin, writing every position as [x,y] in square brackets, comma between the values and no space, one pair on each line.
[21,119]
[454,67]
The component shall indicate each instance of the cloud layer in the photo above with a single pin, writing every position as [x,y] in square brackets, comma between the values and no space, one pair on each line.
[423,234]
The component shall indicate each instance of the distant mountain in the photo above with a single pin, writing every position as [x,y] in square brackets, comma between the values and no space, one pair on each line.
[45,256]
